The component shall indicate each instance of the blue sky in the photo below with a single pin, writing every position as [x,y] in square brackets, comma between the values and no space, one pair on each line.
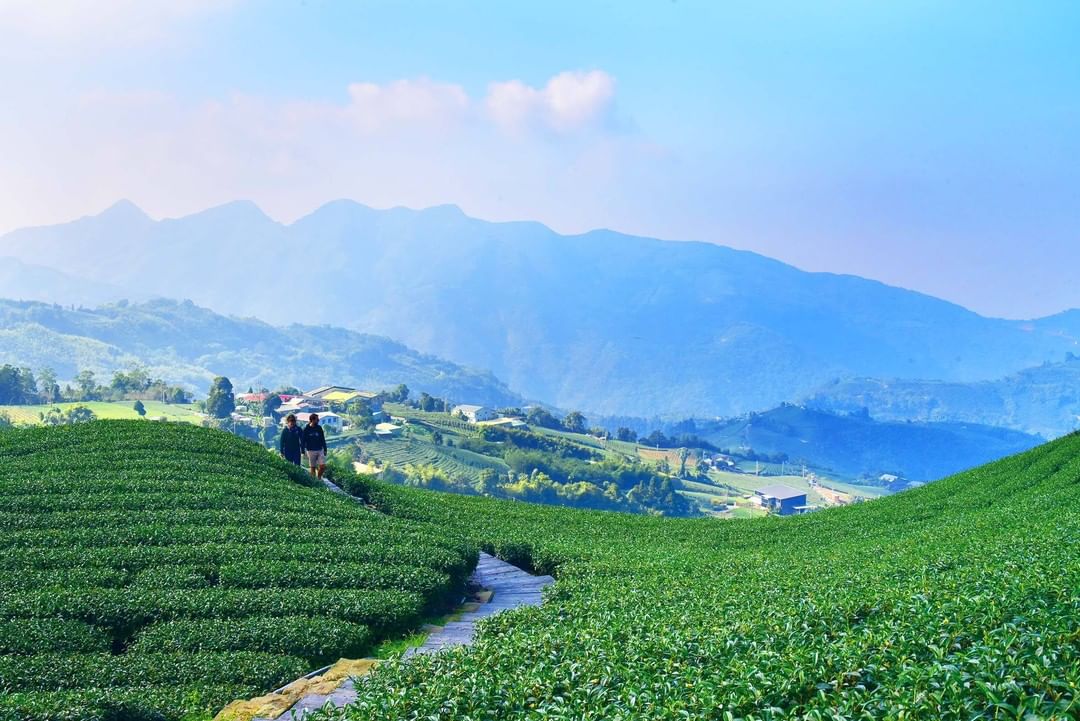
[934,146]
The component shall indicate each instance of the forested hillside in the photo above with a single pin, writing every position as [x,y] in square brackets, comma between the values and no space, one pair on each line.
[191,345]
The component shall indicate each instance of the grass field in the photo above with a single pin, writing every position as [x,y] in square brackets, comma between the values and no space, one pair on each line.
[119,410]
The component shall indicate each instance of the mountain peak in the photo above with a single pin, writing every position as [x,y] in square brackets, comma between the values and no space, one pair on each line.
[235,210]
[124,209]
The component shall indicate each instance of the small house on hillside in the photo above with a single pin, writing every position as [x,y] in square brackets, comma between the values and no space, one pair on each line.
[301,404]
[387,430]
[344,394]
[332,421]
[782,500]
[322,391]
[475,414]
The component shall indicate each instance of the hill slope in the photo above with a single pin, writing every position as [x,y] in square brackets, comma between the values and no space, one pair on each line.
[955,601]
[607,322]
[184,343]
[201,572]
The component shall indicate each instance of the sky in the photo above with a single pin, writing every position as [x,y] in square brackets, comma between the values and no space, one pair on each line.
[934,146]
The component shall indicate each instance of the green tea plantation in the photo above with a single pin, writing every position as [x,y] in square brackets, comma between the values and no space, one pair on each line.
[158,570]
[959,600]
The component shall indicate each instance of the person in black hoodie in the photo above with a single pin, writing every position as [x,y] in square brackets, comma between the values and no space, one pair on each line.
[291,444]
[314,442]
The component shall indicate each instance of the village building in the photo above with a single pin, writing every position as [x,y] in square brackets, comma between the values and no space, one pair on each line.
[387,430]
[782,500]
[475,414]
[251,397]
[344,394]
[332,421]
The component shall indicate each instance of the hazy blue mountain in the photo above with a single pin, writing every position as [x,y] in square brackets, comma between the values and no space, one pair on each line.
[184,343]
[856,445]
[606,322]
[25,281]
[1043,400]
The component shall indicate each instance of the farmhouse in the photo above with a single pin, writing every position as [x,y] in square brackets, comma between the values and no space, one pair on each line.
[783,500]
[301,404]
[251,397]
[332,421]
[475,414]
[387,430]
[343,394]
[322,391]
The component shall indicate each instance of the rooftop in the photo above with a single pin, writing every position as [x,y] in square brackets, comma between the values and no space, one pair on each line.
[780,492]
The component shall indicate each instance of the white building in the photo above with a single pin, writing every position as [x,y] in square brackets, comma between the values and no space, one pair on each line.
[475,414]
[331,421]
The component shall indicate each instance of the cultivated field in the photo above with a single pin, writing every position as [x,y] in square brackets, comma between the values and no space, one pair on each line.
[959,600]
[118,410]
[159,570]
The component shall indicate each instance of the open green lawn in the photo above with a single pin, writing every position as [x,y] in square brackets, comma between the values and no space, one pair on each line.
[119,410]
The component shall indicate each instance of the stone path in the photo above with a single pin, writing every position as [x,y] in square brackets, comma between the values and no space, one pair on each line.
[510,587]
[507,587]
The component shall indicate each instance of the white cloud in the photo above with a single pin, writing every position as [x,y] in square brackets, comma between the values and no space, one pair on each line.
[569,101]
[375,107]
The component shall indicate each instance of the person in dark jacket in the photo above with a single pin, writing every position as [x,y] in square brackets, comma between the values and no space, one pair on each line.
[291,444]
[315,444]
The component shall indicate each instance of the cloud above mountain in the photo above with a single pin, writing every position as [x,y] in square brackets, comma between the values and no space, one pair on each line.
[504,151]
[569,101]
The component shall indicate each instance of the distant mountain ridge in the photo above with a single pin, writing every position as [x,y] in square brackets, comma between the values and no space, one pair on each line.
[857,445]
[184,343]
[610,323]
[1044,400]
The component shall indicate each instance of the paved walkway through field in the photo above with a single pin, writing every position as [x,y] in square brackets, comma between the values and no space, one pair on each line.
[509,588]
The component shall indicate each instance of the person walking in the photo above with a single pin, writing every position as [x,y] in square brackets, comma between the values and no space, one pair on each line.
[291,443]
[315,444]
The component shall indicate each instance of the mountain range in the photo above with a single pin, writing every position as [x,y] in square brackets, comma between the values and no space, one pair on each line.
[606,322]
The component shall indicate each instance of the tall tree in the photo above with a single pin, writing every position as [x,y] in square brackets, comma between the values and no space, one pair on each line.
[87,385]
[574,422]
[48,388]
[220,402]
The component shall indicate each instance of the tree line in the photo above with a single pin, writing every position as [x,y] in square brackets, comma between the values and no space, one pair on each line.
[20,386]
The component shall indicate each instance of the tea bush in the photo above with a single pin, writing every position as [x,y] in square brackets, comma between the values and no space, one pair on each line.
[152,570]
[959,600]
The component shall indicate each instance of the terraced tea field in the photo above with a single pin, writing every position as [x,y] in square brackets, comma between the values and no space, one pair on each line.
[152,570]
[456,462]
[959,600]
